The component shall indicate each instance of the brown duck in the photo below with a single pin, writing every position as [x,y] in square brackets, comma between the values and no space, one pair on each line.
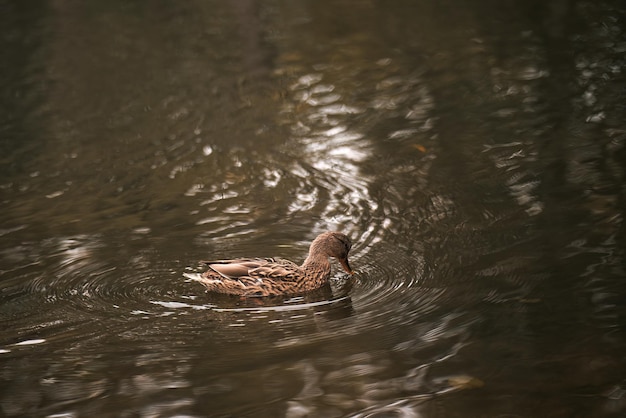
[276,276]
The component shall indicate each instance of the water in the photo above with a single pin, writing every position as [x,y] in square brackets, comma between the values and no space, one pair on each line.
[473,152]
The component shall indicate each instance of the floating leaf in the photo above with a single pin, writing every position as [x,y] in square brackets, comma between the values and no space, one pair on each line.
[530,300]
[465,382]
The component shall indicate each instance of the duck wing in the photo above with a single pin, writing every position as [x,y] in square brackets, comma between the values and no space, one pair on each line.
[256,268]
[278,269]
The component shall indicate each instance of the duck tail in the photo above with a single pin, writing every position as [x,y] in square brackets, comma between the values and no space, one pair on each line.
[197,277]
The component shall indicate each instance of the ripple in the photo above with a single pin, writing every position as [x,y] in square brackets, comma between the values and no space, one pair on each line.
[77,276]
[238,208]
[395,282]
[286,307]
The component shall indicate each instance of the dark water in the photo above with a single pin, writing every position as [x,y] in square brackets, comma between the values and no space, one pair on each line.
[474,151]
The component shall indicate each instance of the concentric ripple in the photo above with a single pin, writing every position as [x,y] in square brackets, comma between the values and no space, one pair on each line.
[74,272]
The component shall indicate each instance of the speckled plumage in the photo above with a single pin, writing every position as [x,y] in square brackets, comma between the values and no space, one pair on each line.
[276,276]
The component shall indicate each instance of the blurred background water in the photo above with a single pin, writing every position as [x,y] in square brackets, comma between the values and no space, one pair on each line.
[474,151]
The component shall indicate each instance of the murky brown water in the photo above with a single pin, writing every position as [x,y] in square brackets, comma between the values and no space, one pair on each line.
[475,153]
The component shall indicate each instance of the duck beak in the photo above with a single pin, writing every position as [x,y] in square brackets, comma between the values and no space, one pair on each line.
[346,265]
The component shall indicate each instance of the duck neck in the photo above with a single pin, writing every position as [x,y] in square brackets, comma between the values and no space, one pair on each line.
[317,266]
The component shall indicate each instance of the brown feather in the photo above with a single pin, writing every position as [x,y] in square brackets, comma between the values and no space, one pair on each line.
[275,276]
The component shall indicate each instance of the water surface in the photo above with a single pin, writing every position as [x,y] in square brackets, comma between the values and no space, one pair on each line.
[474,153]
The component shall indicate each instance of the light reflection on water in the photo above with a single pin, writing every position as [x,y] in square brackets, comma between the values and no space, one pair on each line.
[482,190]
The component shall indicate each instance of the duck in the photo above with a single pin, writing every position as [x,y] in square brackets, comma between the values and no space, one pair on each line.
[261,277]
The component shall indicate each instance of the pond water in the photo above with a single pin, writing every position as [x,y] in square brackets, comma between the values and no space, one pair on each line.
[473,151]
